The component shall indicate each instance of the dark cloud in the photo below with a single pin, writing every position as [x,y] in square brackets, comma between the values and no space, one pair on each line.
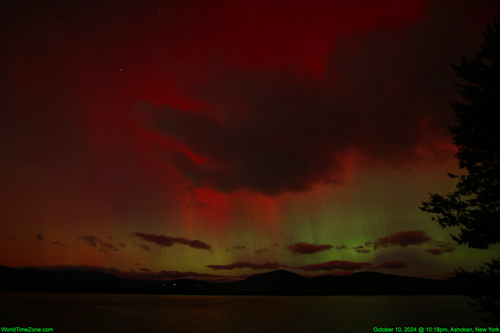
[95,242]
[145,270]
[307,248]
[393,264]
[265,146]
[81,268]
[236,247]
[335,265]
[442,247]
[39,237]
[170,241]
[261,251]
[438,252]
[59,243]
[407,238]
[402,239]
[341,247]
[144,247]
[244,264]
[362,248]
[282,131]
[91,240]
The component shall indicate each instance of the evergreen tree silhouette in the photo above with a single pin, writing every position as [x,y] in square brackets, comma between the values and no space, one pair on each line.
[475,204]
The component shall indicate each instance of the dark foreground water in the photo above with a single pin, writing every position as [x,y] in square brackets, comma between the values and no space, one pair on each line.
[159,313]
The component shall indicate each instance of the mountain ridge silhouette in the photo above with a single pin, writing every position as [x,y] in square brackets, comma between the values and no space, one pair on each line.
[278,282]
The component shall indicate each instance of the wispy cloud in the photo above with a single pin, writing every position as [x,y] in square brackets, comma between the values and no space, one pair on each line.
[244,264]
[97,242]
[335,265]
[307,248]
[170,241]
[398,239]
[442,247]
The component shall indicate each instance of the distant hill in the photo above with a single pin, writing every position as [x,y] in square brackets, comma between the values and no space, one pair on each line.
[280,282]
[31,279]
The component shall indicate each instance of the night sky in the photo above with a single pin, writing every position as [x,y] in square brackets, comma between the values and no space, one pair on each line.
[219,139]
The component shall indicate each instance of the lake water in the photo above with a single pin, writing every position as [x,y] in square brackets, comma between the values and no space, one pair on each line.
[162,313]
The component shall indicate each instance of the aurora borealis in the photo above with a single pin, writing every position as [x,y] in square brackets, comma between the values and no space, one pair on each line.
[218,139]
